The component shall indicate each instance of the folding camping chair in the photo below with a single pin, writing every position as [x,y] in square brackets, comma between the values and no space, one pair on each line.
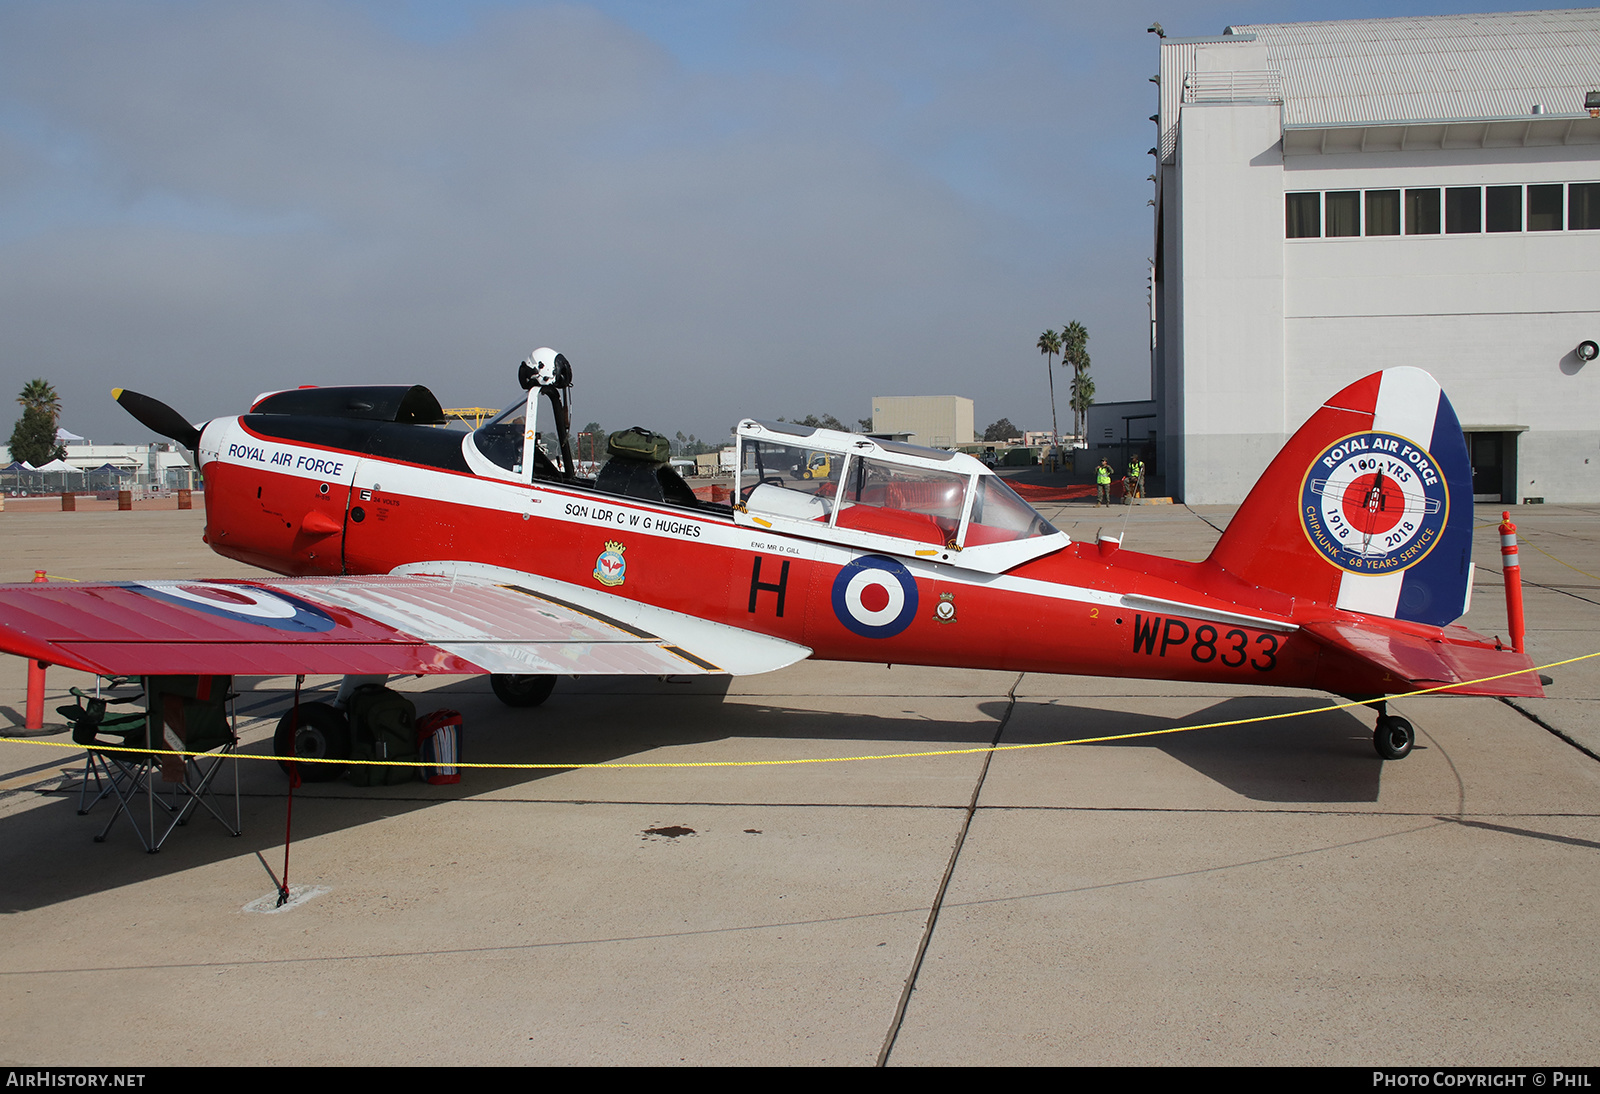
[183,713]
[107,772]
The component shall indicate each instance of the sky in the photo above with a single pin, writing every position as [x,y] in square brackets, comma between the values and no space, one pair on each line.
[715,209]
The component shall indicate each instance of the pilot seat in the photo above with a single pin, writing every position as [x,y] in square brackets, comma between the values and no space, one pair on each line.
[638,468]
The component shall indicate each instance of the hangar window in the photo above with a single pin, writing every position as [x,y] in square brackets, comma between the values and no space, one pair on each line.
[1383,212]
[1463,210]
[1450,210]
[1544,208]
[1304,216]
[1583,206]
[1503,209]
[1422,212]
[1344,213]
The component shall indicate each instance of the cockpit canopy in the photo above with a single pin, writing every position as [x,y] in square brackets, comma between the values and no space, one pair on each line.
[501,437]
[885,495]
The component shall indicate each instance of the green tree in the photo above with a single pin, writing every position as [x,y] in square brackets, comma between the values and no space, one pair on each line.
[41,396]
[1050,345]
[1082,396]
[33,438]
[1002,430]
[827,421]
[1075,353]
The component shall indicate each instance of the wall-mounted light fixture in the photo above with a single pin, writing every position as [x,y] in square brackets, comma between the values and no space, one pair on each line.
[1587,350]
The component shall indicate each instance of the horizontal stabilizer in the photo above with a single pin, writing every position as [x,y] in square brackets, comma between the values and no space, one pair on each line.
[1452,656]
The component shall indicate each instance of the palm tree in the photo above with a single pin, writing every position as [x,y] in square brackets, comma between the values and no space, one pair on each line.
[1075,352]
[1082,396]
[38,395]
[1050,345]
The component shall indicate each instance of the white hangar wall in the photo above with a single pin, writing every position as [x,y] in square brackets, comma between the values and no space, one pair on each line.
[1255,329]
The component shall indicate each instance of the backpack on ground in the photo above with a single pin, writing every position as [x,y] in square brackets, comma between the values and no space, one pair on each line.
[383,726]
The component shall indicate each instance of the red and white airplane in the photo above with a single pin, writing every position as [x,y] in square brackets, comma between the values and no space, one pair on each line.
[410,548]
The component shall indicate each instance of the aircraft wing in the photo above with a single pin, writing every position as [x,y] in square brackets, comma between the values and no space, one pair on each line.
[1451,656]
[464,622]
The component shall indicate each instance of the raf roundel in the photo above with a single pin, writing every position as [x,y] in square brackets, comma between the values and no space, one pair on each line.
[243,603]
[1374,503]
[875,597]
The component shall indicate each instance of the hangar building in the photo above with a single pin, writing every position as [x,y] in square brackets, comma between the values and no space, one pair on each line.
[1334,198]
[937,421]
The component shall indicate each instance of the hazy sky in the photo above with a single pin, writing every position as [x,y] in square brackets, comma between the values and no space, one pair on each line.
[713,208]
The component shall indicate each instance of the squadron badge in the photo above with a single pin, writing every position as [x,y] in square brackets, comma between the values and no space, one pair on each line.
[611,568]
[1374,503]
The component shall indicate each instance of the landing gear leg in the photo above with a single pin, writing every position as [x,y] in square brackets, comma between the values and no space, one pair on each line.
[1394,736]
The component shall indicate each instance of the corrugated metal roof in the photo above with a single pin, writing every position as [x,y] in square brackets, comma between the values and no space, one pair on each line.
[1362,71]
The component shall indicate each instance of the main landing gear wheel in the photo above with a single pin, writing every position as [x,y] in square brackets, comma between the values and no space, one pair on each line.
[521,691]
[1394,737]
[322,733]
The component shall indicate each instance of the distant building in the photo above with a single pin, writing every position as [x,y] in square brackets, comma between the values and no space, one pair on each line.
[1129,425]
[1339,197]
[157,466]
[935,421]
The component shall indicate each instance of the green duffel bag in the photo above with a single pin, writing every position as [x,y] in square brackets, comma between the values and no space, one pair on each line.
[383,726]
[639,443]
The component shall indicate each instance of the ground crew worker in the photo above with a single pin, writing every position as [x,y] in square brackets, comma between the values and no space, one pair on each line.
[1102,481]
[1136,473]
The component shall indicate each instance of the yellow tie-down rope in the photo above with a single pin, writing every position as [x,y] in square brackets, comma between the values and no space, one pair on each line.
[826,759]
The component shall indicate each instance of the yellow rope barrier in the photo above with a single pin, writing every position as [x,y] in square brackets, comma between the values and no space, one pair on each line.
[836,759]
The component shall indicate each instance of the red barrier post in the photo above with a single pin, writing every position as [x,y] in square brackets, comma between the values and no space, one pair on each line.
[1512,568]
[34,715]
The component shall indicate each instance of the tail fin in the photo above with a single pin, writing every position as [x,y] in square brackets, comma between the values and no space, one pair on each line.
[1367,508]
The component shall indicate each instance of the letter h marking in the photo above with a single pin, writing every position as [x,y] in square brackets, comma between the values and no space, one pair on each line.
[757,586]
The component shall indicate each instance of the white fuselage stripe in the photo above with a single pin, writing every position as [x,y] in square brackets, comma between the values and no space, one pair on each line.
[618,514]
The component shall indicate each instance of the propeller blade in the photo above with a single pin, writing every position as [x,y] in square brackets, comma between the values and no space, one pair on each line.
[156,415]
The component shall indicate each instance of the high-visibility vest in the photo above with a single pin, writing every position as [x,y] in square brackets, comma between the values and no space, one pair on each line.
[1102,475]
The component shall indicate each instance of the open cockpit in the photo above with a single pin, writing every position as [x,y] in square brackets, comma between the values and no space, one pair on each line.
[819,484]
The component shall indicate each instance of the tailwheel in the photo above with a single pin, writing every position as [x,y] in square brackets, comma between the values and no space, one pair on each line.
[1394,737]
[521,691]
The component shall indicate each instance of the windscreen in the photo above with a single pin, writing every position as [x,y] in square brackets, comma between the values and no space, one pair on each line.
[1000,516]
[500,438]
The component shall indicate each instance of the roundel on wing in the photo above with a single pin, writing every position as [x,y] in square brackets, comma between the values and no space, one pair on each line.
[875,597]
[243,604]
[1374,503]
